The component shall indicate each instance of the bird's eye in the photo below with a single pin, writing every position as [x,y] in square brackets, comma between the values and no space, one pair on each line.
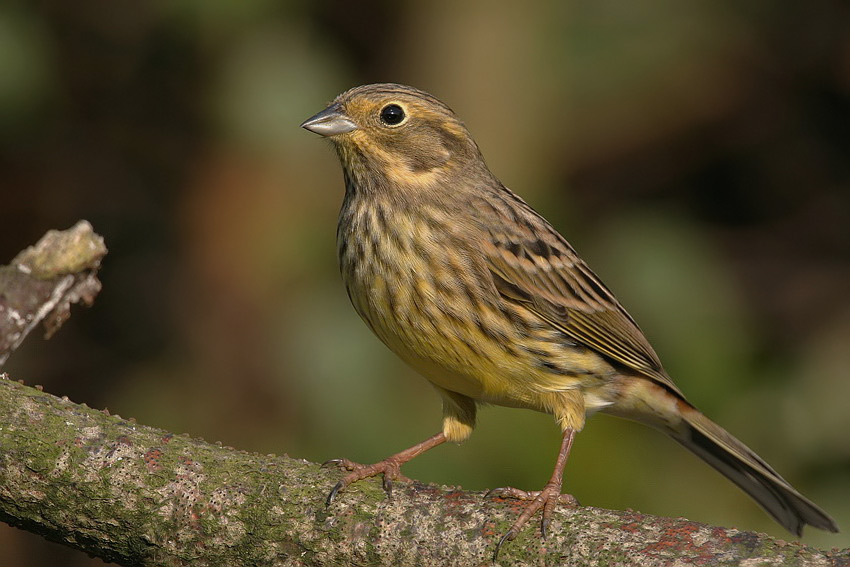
[392,115]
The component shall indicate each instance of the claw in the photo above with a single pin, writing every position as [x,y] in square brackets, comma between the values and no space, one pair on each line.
[337,487]
[545,500]
[509,535]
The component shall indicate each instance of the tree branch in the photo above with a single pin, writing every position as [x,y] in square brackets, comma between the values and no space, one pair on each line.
[43,281]
[137,495]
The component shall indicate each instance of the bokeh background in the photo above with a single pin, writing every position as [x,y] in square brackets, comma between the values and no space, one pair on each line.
[697,154]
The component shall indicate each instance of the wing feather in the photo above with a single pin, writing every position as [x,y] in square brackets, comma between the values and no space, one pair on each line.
[540,270]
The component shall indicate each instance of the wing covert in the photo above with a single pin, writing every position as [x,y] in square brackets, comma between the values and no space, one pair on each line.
[542,272]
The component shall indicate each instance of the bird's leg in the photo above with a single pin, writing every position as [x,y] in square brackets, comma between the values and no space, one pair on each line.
[389,467]
[547,498]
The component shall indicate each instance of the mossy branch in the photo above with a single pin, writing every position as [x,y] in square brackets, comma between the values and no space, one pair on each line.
[137,495]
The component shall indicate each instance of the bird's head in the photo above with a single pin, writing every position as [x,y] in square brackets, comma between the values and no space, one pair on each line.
[396,134]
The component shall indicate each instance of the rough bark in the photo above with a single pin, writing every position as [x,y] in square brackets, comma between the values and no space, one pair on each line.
[137,495]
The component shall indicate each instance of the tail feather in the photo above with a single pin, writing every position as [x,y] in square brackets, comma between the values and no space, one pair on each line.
[736,461]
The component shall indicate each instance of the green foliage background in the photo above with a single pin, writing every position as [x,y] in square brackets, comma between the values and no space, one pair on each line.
[697,154]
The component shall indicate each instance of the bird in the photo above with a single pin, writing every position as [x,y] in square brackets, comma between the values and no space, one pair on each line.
[475,290]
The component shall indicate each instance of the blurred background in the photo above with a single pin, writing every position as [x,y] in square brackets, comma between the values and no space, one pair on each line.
[697,155]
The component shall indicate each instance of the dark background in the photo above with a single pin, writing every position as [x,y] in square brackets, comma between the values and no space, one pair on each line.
[697,154]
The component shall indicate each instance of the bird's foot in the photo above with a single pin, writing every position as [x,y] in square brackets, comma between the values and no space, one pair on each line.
[389,468]
[546,499]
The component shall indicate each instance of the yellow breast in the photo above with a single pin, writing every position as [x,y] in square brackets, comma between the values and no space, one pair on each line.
[431,300]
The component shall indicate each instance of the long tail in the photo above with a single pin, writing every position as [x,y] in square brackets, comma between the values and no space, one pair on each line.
[741,465]
[652,404]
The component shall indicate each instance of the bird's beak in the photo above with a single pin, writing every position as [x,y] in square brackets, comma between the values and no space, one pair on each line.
[330,122]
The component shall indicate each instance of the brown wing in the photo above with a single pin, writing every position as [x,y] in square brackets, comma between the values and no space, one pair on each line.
[533,265]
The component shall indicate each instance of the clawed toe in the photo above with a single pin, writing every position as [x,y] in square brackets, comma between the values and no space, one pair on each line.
[509,535]
[337,487]
[546,499]
[389,468]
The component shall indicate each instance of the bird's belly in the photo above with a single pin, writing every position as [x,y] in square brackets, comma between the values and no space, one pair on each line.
[457,333]
[493,368]
[446,360]
[506,381]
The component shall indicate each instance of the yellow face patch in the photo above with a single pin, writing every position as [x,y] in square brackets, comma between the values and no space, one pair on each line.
[416,151]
